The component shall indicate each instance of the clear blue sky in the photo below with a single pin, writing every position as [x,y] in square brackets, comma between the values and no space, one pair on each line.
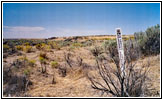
[43,20]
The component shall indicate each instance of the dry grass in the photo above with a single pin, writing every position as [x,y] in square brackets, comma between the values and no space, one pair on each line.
[76,83]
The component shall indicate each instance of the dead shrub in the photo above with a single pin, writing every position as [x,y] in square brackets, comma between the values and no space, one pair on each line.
[67,59]
[54,80]
[43,62]
[77,65]
[16,84]
[111,80]
[62,71]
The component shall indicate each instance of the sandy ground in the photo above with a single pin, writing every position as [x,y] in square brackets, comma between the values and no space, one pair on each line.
[76,83]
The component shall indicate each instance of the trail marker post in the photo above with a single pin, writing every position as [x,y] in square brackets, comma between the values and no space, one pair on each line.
[121,58]
[120,50]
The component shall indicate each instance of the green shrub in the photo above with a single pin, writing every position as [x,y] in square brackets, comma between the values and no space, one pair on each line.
[27,49]
[110,44]
[131,48]
[41,46]
[5,48]
[96,51]
[54,45]
[26,43]
[23,61]
[153,40]
[87,43]
[23,58]
[71,48]
[149,41]
[110,47]
[43,64]
[125,38]
[64,43]
[38,46]
[19,47]
[47,48]
[77,45]
[108,38]
[32,63]
[54,64]
[26,71]
[132,37]
[42,60]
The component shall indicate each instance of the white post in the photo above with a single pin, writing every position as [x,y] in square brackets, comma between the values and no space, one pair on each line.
[120,50]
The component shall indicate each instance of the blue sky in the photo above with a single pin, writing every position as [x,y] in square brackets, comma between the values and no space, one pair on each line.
[43,20]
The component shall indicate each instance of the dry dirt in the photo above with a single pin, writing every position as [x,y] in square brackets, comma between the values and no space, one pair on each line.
[76,83]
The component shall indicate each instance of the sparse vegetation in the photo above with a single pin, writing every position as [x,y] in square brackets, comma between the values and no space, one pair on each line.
[43,64]
[32,63]
[77,45]
[42,60]
[69,66]
[38,46]
[43,55]
[26,72]
[87,43]
[113,81]
[43,47]
[27,49]
[26,44]
[24,60]
[54,45]
[19,47]
[54,64]
[5,48]
[65,43]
